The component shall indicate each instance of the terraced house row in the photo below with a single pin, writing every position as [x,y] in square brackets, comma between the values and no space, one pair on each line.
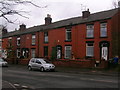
[90,36]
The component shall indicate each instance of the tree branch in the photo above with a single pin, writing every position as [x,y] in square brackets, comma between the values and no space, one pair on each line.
[6,8]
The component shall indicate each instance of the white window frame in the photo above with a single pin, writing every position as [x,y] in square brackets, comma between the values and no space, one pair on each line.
[103,30]
[33,53]
[87,52]
[66,57]
[33,39]
[46,37]
[67,33]
[18,41]
[90,31]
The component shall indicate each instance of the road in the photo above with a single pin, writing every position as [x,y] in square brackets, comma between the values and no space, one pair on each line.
[20,76]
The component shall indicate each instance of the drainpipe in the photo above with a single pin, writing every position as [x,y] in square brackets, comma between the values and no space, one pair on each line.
[38,45]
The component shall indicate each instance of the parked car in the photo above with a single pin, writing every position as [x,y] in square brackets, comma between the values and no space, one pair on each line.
[3,63]
[41,64]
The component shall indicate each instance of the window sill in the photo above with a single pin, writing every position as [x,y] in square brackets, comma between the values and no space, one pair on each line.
[33,44]
[68,40]
[104,37]
[89,37]
[46,42]
[89,57]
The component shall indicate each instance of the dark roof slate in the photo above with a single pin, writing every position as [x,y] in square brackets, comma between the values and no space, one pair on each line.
[72,21]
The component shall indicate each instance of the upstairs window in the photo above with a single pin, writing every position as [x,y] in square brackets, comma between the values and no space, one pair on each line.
[103,30]
[0,44]
[10,41]
[33,39]
[89,49]
[18,41]
[68,34]
[46,37]
[90,31]
[45,51]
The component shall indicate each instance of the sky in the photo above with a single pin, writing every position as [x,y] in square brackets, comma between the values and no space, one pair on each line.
[58,9]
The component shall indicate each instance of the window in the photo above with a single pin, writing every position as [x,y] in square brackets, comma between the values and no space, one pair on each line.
[103,30]
[18,53]
[10,41]
[68,52]
[33,39]
[0,44]
[45,51]
[25,52]
[18,41]
[68,34]
[89,49]
[37,61]
[33,53]
[46,37]
[90,31]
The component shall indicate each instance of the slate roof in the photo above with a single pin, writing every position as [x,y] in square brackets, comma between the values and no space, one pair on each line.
[72,21]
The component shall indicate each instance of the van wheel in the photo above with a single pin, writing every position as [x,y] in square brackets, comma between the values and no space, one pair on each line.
[41,69]
[29,68]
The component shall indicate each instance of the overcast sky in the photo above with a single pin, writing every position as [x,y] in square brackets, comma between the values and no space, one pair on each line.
[58,9]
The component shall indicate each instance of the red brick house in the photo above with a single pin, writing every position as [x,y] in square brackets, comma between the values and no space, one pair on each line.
[91,36]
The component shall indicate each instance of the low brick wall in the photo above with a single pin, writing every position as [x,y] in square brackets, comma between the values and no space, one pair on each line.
[75,63]
[64,63]
[24,61]
[17,61]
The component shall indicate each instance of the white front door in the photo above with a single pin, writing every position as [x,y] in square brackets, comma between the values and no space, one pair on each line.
[105,53]
[58,54]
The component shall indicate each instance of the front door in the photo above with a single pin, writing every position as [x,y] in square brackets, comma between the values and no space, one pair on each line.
[105,53]
[59,52]
[104,50]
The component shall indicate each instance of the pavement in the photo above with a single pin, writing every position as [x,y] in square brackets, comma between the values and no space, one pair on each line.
[93,71]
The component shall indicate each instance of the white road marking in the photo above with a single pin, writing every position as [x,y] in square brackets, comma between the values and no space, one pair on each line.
[11,84]
[24,86]
[17,85]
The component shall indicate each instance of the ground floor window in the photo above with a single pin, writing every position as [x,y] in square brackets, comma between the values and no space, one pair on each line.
[18,53]
[25,52]
[33,53]
[68,52]
[89,49]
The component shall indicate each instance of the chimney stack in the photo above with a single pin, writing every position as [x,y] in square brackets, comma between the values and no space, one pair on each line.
[22,27]
[86,14]
[118,4]
[48,19]
[4,31]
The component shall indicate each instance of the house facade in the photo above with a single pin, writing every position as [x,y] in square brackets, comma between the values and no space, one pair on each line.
[89,37]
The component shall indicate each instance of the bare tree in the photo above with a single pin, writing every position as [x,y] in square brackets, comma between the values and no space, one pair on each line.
[7,8]
[116,3]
